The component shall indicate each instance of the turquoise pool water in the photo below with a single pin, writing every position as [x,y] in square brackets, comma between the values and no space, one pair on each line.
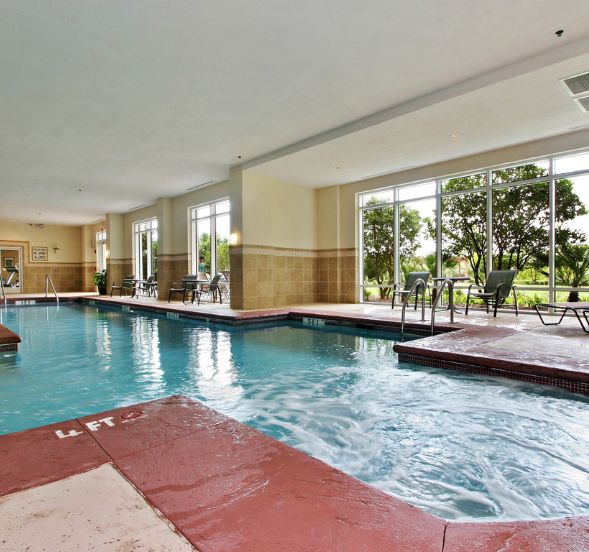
[456,445]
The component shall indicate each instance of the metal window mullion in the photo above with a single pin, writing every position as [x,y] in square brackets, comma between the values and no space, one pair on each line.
[213,245]
[551,233]
[147,253]
[439,271]
[489,192]
[361,257]
[396,240]
[476,190]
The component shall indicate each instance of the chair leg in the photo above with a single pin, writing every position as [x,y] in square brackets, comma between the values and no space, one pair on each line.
[515,301]
[393,301]
[496,306]
[467,303]
[170,296]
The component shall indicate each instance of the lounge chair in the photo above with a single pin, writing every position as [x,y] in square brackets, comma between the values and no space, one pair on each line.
[579,309]
[498,286]
[410,288]
[127,285]
[213,288]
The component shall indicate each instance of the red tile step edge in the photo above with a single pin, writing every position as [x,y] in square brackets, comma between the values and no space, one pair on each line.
[8,337]
[228,487]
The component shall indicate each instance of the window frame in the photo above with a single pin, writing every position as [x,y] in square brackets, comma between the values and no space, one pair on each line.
[212,217]
[552,178]
[148,227]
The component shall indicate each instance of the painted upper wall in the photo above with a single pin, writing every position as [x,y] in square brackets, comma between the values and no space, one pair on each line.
[67,238]
[277,213]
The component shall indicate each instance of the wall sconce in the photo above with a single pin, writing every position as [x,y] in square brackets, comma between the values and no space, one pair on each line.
[233,239]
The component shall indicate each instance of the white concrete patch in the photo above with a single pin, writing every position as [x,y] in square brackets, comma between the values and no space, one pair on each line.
[97,510]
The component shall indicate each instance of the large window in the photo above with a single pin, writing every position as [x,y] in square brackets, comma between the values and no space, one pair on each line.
[100,250]
[530,216]
[210,237]
[145,240]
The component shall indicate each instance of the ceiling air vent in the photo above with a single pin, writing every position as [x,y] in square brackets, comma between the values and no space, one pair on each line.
[583,103]
[578,84]
[201,185]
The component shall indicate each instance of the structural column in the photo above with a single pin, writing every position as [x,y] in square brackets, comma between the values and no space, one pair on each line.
[117,263]
[165,257]
[236,257]
[88,257]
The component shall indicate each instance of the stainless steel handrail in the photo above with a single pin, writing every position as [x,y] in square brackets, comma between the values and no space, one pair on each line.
[439,293]
[408,294]
[48,281]
[3,292]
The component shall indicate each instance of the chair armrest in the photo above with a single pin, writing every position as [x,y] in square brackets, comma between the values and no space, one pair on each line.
[502,285]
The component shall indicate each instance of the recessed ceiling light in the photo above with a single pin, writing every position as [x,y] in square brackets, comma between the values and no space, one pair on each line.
[559,33]
[455,135]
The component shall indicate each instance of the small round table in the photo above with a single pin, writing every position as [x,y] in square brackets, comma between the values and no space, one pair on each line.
[451,281]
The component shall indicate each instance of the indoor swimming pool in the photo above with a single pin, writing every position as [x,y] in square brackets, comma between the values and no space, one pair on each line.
[457,445]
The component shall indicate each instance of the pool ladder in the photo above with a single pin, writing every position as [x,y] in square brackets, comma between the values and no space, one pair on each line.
[434,304]
[439,293]
[416,284]
[3,293]
[48,281]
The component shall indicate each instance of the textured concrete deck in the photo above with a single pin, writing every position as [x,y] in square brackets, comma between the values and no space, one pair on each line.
[221,485]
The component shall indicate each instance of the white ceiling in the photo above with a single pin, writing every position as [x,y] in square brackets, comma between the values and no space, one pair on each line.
[133,100]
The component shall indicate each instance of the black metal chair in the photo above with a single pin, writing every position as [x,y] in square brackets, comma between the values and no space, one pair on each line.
[189,287]
[127,285]
[498,286]
[148,287]
[405,293]
[213,288]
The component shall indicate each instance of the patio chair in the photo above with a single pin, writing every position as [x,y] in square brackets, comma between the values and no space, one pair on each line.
[225,286]
[498,286]
[188,287]
[213,288]
[148,287]
[127,285]
[410,288]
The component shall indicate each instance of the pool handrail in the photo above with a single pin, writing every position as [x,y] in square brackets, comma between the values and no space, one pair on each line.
[48,281]
[418,282]
[3,293]
[439,293]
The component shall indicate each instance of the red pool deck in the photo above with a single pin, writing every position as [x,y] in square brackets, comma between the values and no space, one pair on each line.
[227,487]
[8,340]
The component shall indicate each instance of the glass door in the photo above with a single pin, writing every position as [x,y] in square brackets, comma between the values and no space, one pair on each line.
[10,269]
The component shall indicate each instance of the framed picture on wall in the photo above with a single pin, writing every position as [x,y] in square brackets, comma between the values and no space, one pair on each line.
[8,262]
[39,254]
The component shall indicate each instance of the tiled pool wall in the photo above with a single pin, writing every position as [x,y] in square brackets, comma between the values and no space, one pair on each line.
[562,383]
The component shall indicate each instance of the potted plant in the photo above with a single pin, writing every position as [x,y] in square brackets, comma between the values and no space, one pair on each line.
[99,280]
